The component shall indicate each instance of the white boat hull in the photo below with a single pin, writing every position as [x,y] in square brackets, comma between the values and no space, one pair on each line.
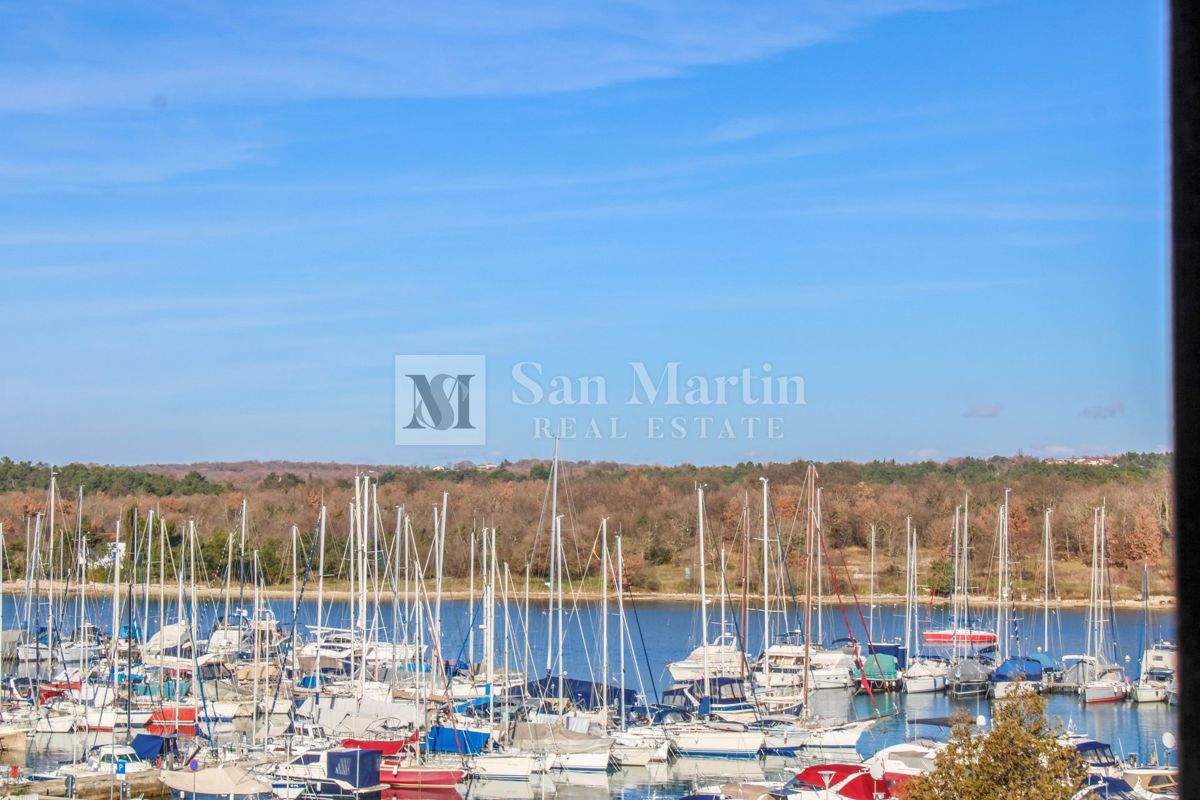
[503,766]
[1150,693]
[926,684]
[1104,692]
[704,742]
[580,762]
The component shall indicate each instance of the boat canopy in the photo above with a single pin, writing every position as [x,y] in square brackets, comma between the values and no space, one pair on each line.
[225,781]
[582,694]
[149,746]
[877,667]
[1017,668]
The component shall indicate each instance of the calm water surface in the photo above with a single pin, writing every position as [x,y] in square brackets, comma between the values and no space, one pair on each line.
[659,632]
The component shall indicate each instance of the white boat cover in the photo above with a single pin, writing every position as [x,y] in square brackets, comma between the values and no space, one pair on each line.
[226,779]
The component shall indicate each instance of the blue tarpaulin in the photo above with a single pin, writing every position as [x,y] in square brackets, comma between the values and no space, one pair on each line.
[582,694]
[149,747]
[1017,668]
[455,740]
[359,768]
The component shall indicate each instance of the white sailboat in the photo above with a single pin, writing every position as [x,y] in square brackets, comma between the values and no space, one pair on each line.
[1158,661]
[789,735]
[708,738]
[921,675]
[1105,681]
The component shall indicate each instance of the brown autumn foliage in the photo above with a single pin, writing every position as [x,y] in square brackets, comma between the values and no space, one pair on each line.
[653,508]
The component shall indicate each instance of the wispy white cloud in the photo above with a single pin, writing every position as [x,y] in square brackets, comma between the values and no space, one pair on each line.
[287,51]
[983,411]
[1105,411]
[39,154]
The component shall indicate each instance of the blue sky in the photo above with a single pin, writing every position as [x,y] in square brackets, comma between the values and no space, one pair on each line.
[219,223]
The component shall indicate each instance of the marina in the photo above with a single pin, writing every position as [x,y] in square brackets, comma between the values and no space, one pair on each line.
[528,686]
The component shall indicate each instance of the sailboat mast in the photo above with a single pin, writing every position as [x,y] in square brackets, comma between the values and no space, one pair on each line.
[320,593]
[553,559]
[810,484]
[441,561]
[820,549]
[703,588]
[561,563]
[621,635]
[50,585]
[908,585]
[871,599]
[1048,555]
[966,557]
[1100,582]
[766,584]
[471,594]
[604,616]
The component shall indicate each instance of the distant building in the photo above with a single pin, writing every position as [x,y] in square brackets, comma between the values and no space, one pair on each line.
[1087,461]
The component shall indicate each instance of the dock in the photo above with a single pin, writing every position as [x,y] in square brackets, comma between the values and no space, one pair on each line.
[99,787]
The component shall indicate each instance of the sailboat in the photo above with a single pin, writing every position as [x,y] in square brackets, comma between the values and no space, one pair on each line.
[1015,673]
[1104,681]
[969,647]
[708,738]
[922,674]
[788,664]
[13,735]
[787,735]
[1158,660]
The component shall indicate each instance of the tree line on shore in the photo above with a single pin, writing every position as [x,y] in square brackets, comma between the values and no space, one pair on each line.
[652,507]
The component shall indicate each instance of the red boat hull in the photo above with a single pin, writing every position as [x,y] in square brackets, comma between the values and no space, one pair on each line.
[389,747]
[419,777]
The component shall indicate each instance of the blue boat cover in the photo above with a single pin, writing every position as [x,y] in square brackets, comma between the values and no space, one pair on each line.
[149,747]
[1017,668]
[359,768]
[454,740]
[582,694]
[1048,662]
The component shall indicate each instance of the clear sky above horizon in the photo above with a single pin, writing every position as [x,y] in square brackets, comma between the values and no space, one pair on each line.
[220,222]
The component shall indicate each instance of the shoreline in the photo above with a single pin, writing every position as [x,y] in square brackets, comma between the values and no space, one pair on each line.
[589,595]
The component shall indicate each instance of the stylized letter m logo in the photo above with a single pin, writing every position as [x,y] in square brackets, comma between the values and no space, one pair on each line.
[441,402]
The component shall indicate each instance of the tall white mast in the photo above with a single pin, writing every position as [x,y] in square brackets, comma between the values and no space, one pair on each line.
[1048,555]
[561,563]
[1001,574]
[553,559]
[320,591]
[621,634]
[766,583]
[50,585]
[703,587]
[871,599]
[1100,582]
[604,616]
[295,594]
[441,555]
[116,593]
[908,587]
[471,595]
[820,548]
